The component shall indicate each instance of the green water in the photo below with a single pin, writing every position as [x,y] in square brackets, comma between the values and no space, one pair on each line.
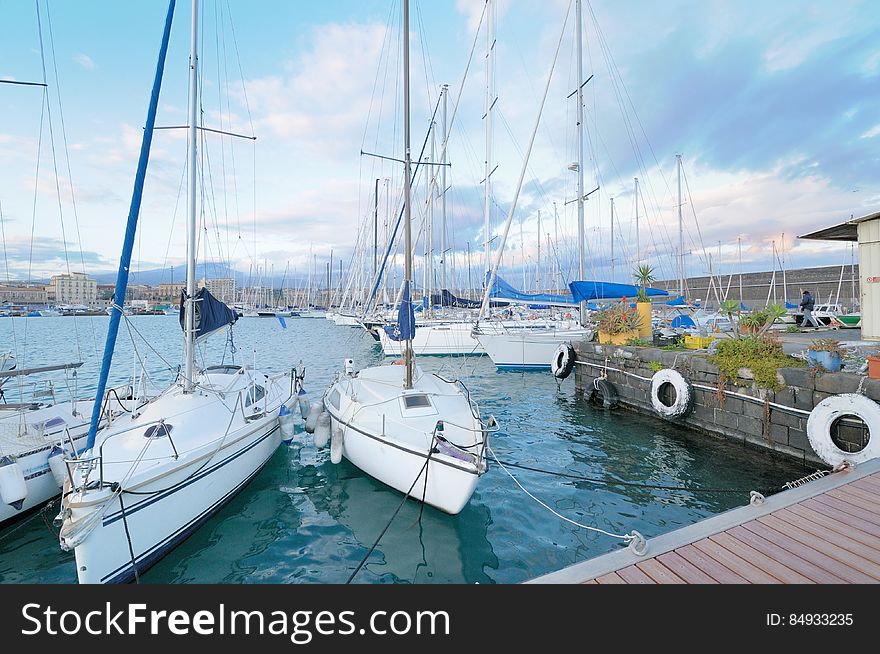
[304,520]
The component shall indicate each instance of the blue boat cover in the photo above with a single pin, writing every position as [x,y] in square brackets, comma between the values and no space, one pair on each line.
[682,322]
[585,291]
[211,314]
[504,291]
[405,327]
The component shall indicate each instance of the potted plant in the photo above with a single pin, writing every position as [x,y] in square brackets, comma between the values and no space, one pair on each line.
[618,324]
[825,352]
[644,275]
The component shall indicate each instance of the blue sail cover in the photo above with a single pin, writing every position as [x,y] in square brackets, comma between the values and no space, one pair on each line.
[211,313]
[504,291]
[585,291]
[405,327]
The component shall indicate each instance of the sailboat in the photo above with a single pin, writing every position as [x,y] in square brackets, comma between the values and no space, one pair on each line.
[534,348]
[414,431]
[143,484]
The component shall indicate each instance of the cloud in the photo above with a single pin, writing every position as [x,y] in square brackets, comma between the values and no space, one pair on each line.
[85,61]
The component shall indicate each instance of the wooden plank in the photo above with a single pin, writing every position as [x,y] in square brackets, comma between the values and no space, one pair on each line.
[710,566]
[684,569]
[872,481]
[731,561]
[809,570]
[838,521]
[632,575]
[591,581]
[610,578]
[760,560]
[855,500]
[843,555]
[847,508]
[870,501]
[846,541]
[807,553]
[659,572]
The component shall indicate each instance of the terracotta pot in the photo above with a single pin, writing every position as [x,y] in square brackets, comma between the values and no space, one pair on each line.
[874,367]
[617,339]
[644,309]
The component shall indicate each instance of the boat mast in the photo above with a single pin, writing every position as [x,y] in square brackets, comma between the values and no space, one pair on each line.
[130,230]
[580,147]
[490,103]
[444,91]
[190,335]
[612,239]
[407,231]
[739,246]
[680,234]
[638,245]
[376,230]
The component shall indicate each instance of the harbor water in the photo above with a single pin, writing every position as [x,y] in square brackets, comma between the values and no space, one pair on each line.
[305,520]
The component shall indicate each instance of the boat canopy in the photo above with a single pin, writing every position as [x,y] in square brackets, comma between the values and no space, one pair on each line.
[504,291]
[211,314]
[585,291]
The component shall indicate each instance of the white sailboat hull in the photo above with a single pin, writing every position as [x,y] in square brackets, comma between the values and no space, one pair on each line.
[396,446]
[31,449]
[445,338]
[528,349]
[157,522]
[177,483]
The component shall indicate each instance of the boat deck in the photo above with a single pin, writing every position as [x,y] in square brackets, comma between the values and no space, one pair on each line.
[825,531]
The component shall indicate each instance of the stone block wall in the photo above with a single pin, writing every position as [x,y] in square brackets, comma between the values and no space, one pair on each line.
[772,419]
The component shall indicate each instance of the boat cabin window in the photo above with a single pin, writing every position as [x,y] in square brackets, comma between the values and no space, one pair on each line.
[254,393]
[158,431]
[416,401]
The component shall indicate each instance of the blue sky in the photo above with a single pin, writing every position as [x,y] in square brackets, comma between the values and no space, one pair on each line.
[774,107]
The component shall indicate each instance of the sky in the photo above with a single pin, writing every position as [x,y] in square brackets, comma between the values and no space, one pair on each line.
[773,107]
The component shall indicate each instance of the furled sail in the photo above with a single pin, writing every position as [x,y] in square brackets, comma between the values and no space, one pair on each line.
[503,291]
[210,313]
[405,327]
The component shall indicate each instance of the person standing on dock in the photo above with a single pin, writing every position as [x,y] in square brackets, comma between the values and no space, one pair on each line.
[807,304]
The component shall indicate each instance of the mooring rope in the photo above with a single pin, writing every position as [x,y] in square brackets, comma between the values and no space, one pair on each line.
[615,482]
[624,537]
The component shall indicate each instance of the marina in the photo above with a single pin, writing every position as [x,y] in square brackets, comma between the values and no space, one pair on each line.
[468,373]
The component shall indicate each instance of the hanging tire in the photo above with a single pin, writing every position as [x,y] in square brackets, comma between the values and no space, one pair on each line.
[604,394]
[563,361]
[830,410]
[684,393]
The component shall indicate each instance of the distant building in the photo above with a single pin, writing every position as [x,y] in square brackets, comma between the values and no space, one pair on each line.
[222,288]
[169,292]
[24,294]
[73,288]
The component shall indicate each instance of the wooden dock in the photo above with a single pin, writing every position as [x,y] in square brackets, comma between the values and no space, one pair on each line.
[826,531]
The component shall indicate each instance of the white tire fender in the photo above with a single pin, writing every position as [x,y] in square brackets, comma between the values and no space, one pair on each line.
[683,393]
[828,411]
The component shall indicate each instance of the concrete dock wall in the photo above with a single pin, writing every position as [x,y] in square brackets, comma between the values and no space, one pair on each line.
[765,418]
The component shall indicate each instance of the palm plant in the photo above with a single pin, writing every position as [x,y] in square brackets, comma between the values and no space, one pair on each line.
[644,275]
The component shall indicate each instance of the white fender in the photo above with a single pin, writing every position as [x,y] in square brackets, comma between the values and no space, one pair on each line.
[303,400]
[683,393]
[314,411]
[286,423]
[13,488]
[823,416]
[336,445]
[57,466]
[322,430]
